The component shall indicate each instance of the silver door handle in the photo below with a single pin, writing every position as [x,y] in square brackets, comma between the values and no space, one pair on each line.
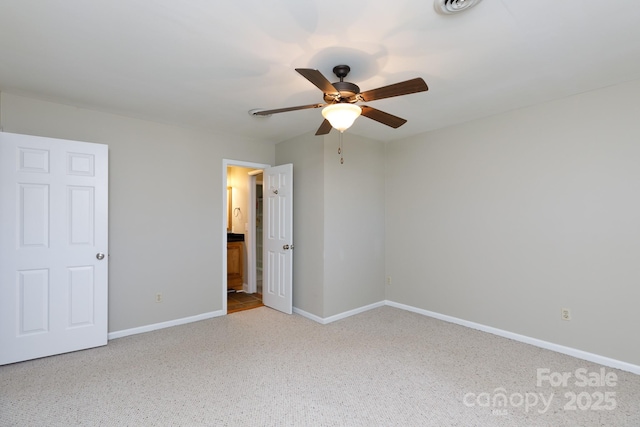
[100,256]
[285,247]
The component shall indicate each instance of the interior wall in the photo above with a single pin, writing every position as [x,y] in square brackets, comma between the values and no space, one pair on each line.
[238,179]
[354,234]
[306,154]
[165,211]
[506,220]
[338,222]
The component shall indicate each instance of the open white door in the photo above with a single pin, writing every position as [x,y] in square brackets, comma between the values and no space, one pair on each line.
[278,238]
[53,246]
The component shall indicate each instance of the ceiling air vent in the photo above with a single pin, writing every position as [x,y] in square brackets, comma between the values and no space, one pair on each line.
[448,7]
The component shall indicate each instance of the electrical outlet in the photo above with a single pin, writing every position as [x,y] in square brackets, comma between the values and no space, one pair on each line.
[388,280]
[158,297]
[565,313]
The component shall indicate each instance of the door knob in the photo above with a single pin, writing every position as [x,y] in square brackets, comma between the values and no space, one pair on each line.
[100,256]
[285,247]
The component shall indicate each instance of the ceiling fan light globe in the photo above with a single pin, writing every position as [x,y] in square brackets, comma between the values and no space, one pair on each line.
[341,116]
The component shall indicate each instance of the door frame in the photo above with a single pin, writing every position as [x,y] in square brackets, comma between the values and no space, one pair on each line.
[251,259]
[252,248]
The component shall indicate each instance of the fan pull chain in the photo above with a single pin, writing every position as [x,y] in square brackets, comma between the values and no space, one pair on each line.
[340,150]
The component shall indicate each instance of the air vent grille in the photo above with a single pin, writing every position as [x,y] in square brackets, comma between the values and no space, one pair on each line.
[448,7]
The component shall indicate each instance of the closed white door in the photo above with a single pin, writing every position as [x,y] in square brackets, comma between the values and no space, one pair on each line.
[277,190]
[53,246]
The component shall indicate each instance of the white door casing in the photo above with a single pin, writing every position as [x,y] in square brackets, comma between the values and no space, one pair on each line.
[278,238]
[53,226]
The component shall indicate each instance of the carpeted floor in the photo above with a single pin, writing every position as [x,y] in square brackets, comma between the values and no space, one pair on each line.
[384,367]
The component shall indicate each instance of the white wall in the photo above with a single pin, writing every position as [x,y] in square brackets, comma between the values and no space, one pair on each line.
[165,212]
[354,236]
[306,154]
[238,179]
[506,220]
[338,222]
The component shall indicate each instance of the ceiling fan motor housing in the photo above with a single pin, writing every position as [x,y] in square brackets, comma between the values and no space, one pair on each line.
[347,90]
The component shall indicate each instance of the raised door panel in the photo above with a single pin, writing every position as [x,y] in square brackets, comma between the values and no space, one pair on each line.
[81,296]
[80,220]
[33,215]
[33,301]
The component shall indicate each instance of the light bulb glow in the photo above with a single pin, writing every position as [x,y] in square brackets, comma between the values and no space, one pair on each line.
[342,115]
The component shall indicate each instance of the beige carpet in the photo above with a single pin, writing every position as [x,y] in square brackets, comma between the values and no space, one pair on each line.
[385,367]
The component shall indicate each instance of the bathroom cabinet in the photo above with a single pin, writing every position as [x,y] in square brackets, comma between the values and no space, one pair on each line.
[235,266]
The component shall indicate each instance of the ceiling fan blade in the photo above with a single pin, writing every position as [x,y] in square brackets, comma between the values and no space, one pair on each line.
[397,89]
[382,117]
[324,128]
[284,110]
[321,82]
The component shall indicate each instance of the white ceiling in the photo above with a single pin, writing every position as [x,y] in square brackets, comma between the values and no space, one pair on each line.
[205,64]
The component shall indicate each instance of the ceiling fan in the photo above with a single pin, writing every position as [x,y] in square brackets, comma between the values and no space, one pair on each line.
[340,109]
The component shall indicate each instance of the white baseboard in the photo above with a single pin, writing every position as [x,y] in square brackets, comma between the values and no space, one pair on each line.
[326,320]
[308,315]
[162,325]
[579,354]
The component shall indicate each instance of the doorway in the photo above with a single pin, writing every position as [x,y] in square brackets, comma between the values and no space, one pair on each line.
[242,252]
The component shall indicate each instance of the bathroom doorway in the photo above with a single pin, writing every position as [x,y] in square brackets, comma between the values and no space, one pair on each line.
[244,238]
